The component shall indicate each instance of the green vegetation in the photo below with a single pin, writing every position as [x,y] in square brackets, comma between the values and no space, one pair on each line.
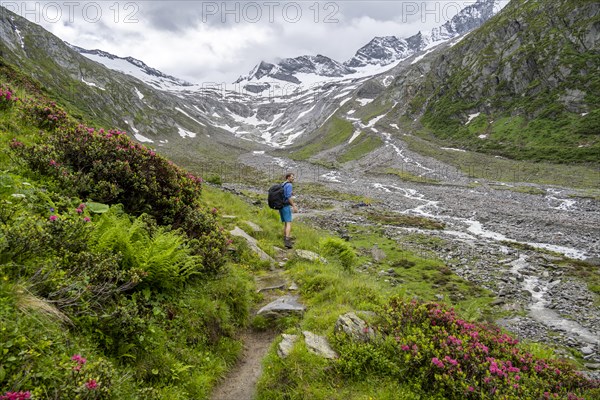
[360,147]
[105,294]
[397,219]
[479,165]
[420,350]
[409,176]
[372,110]
[520,189]
[334,132]
[323,192]
[118,281]
[547,113]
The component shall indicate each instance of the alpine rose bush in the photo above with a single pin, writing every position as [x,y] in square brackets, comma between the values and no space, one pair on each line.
[7,98]
[108,167]
[428,344]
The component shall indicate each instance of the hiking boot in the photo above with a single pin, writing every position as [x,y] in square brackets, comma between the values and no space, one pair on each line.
[288,243]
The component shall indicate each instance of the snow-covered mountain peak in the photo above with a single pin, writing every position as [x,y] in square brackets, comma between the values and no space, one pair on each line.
[377,56]
[134,67]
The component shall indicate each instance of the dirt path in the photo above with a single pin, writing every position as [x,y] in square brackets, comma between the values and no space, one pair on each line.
[240,383]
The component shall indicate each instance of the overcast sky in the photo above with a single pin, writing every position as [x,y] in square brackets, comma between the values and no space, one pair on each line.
[217,41]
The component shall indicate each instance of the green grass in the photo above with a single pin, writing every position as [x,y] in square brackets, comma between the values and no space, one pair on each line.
[323,192]
[479,165]
[396,219]
[336,131]
[360,147]
[409,176]
[521,189]
[372,110]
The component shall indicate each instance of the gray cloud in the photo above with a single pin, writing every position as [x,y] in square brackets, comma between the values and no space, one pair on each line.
[220,40]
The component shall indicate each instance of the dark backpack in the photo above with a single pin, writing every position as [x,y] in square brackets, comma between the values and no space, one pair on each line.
[276,197]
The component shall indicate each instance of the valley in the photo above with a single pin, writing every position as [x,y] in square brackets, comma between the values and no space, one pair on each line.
[449,191]
[528,244]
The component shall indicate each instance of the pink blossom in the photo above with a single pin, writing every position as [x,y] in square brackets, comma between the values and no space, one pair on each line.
[405,347]
[435,361]
[451,360]
[86,219]
[16,396]
[91,384]
[471,389]
[53,218]
[79,359]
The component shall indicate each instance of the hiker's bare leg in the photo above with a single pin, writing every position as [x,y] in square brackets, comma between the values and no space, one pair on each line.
[287,228]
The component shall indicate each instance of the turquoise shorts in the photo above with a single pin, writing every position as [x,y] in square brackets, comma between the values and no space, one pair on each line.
[286,214]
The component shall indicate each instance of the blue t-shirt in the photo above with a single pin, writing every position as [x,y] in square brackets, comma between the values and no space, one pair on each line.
[287,192]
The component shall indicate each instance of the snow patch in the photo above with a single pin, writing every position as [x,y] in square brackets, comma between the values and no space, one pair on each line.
[472,117]
[185,133]
[303,113]
[143,139]
[364,102]
[92,84]
[21,41]
[453,149]
[354,136]
[139,94]
[189,116]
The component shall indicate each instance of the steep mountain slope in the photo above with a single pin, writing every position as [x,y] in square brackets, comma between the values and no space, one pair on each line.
[133,67]
[112,98]
[525,85]
[389,49]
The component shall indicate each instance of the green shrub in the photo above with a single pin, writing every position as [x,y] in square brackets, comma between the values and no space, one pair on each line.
[164,257]
[107,167]
[339,250]
[428,344]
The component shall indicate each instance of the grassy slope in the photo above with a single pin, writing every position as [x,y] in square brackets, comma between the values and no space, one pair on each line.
[185,355]
[527,124]
[183,341]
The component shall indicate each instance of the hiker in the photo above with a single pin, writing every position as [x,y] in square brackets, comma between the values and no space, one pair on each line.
[286,212]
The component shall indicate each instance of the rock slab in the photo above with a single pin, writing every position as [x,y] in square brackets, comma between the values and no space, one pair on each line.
[319,345]
[282,306]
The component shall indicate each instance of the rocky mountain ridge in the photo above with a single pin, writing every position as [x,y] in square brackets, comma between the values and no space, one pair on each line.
[149,75]
[266,112]
[380,51]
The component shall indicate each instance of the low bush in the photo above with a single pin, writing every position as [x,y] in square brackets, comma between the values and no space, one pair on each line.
[429,344]
[339,250]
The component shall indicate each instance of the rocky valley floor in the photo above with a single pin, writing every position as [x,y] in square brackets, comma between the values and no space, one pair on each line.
[532,250]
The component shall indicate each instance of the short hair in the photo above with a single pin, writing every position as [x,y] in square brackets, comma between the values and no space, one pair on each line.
[288,175]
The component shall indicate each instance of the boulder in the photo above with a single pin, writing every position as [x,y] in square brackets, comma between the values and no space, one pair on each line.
[255,228]
[319,345]
[354,327]
[286,345]
[253,243]
[281,307]
[310,256]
